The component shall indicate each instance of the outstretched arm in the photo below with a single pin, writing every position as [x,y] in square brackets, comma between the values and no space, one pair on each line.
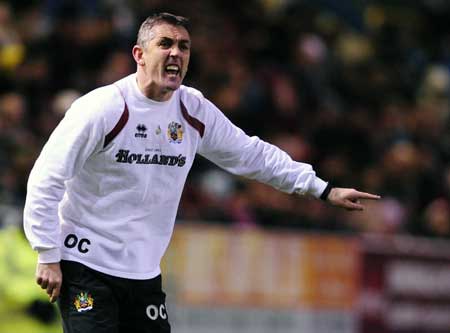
[230,148]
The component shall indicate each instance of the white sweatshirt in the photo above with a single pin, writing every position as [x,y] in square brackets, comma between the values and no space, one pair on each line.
[106,187]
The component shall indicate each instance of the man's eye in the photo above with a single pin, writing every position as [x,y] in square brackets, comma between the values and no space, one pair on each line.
[165,43]
[184,47]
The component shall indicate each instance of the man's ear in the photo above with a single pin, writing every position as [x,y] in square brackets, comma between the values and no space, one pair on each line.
[138,55]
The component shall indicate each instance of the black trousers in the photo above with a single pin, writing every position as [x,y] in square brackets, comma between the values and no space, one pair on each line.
[91,301]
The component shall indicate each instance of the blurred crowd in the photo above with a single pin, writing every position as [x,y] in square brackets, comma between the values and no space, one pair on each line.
[359,89]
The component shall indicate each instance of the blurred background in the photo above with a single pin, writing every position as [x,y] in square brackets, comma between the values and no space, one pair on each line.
[358,89]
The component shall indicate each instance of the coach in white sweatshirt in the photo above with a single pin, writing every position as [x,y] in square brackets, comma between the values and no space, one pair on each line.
[105,190]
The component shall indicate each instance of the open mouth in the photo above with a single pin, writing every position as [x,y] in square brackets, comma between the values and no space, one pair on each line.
[172,70]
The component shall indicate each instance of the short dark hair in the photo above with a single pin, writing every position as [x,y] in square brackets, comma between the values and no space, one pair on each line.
[144,31]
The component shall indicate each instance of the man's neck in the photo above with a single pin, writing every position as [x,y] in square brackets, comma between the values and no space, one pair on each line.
[151,91]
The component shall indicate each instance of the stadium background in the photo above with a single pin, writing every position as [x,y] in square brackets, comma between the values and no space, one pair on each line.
[359,89]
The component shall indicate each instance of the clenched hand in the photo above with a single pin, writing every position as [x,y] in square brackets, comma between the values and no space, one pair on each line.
[49,277]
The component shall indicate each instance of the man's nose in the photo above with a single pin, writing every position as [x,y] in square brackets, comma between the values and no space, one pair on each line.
[175,51]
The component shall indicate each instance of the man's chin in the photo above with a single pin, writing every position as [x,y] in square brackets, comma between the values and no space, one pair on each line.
[173,85]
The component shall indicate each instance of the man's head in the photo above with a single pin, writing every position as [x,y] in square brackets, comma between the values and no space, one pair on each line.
[162,54]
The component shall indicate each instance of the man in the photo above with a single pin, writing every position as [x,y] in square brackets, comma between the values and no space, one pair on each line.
[103,195]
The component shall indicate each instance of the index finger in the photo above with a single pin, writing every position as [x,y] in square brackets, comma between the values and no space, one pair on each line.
[55,294]
[364,195]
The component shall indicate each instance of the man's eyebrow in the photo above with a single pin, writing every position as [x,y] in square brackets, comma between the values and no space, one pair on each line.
[184,41]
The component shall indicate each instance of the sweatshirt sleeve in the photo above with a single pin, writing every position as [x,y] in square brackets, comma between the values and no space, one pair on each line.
[79,134]
[230,148]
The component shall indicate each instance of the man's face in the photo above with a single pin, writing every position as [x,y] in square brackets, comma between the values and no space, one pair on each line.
[166,56]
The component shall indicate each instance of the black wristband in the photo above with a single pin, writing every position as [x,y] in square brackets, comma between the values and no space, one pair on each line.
[325,192]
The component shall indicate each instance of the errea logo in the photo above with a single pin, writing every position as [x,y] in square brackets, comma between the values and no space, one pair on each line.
[141,129]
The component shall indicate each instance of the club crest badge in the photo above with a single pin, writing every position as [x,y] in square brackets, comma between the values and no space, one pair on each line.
[83,302]
[175,132]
